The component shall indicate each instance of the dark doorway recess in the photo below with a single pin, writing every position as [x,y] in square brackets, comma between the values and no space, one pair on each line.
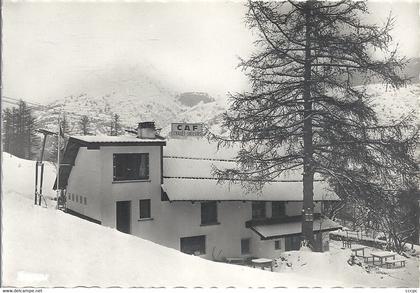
[124,216]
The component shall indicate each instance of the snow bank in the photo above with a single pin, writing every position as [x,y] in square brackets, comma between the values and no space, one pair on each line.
[19,176]
[333,265]
[47,247]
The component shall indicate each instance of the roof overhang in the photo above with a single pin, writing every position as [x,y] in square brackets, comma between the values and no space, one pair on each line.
[208,189]
[290,228]
[92,141]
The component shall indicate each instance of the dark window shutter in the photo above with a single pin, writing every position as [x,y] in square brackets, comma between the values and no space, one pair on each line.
[278,209]
[145,208]
[258,209]
[245,248]
[209,212]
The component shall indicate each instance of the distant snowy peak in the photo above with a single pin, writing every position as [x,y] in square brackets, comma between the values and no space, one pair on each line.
[193,98]
[393,104]
[137,106]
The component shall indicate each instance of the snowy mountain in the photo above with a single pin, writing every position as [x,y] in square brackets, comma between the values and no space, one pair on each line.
[135,93]
[131,110]
[193,98]
[145,99]
[391,104]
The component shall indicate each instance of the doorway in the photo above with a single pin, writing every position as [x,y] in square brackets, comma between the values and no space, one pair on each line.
[124,216]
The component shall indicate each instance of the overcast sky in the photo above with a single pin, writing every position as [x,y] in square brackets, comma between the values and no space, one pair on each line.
[49,49]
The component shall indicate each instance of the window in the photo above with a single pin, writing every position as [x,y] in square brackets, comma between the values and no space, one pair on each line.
[72,196]
[292,243]
[278,209]
[84,200]
[77,198]
[258,209]
[245,246]
[69,196]
[209,213]
[131,167]
[144,205]
[277,245]
[194,245]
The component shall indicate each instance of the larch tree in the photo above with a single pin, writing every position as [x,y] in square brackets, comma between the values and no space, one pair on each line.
[19,131]
[8,130]
[304,112]
[84,124]
[115,128]
[64,131]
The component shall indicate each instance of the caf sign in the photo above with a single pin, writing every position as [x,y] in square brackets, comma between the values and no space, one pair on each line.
[187,129]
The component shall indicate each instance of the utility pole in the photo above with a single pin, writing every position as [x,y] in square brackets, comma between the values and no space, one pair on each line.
[39,169]
[58,157]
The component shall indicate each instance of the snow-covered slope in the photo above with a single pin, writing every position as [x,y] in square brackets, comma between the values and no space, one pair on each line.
[46,247]
[333,265]
[19,176]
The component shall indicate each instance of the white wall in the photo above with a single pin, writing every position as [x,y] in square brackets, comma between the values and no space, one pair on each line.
[266,248]
[111,192]
[84,180]
[183,219]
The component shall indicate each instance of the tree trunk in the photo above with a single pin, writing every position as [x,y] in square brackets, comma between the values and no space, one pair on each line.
[308,173]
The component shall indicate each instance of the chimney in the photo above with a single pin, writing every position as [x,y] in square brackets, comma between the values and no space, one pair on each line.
[146,130]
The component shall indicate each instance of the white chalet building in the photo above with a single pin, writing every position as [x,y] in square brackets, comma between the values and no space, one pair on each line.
[163,190]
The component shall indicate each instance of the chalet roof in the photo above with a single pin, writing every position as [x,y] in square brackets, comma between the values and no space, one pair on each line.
[189,177]
[277,230]
[117,139]
[204,189]
[177,166]
[197,148]
[192,167]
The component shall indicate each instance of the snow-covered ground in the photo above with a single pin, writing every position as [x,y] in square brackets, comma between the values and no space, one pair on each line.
[46,247]
[333,265]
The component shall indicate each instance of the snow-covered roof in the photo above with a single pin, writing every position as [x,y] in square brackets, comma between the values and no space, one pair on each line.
[190,167]
[204,167]
[197,148]
[197,157]
[192,189]
[115,139]
[188,175]
[271,231]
